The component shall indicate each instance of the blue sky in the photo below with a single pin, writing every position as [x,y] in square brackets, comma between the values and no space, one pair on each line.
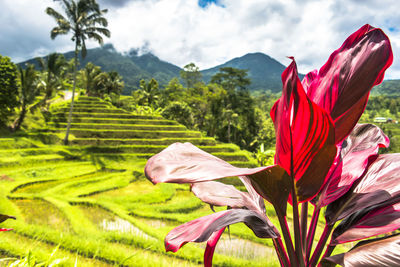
[210,32]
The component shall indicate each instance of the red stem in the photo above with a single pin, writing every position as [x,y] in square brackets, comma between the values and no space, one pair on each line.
[321,244]
[311,231]
[303,223]
[281,252]
[287,237]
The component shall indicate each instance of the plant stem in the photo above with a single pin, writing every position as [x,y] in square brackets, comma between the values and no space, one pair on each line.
[296,222]
[296,228]
[311,231]
[280,251]
[287,237]
[303,224]
[321,243]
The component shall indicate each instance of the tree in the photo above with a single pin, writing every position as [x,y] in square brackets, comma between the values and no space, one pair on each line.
[88,77]
[27,93]
[114,84]
[53,68]
[8,89]
[191,75]
[85,20]
[231,78]
[148,92]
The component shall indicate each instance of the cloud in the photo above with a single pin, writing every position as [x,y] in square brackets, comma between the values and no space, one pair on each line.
[181,31]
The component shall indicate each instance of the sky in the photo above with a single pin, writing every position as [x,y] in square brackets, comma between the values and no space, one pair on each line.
[210,32]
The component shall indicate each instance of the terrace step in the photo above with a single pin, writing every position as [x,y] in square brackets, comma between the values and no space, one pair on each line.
[159,141]
[151,149]
[120,126]
[129,134]
[116,121]
[30,159]
[95,110]
[107,115]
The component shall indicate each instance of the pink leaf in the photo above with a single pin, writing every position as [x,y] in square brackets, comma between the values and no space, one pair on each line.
[200,230]
[343,83]
[185,163]
[219,194]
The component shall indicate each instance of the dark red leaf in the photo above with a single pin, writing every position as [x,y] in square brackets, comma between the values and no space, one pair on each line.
[274,185]
[219,194]
[379,185]
[367,223]
[304,136]
[355,151]
[382,252]
[185,163]
[201,229]
[343,83]
[210,248]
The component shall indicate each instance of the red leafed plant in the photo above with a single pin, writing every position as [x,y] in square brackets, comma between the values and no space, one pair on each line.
[323,157]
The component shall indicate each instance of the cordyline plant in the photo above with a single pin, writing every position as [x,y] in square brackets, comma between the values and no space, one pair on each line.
[323,157]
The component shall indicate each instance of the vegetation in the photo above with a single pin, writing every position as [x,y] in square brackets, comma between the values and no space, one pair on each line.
[8,89]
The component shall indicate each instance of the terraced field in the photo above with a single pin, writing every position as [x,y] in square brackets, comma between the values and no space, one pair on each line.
[90,203]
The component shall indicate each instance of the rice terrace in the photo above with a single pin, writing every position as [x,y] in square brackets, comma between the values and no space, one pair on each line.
[113,155]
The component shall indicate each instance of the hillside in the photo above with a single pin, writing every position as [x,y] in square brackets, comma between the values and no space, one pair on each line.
[264,71]
[90,205]
[387,88]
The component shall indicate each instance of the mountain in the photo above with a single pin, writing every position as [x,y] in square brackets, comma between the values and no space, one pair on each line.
[387,88]
[264,71]
[132,67]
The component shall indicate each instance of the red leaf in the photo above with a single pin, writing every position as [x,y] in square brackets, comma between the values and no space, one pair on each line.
[378,186]
[355,152]
[185,163]
[210,248]
[375,222]
[343,83]
[303,129]
[201,229]
[383,252]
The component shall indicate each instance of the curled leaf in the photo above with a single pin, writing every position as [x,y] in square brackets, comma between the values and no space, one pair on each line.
[383,252]
[378,186]
[201,229]
[356,151]
[367,223]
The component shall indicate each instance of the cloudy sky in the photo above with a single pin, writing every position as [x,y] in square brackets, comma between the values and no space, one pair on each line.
[210,32]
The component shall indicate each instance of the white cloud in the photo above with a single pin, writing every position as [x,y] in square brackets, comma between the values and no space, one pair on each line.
[179,31]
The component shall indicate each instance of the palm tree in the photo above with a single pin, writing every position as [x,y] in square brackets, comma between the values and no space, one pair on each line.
[53,69]
[85,20]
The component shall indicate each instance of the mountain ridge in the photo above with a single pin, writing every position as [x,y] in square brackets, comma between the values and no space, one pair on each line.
[263,70]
